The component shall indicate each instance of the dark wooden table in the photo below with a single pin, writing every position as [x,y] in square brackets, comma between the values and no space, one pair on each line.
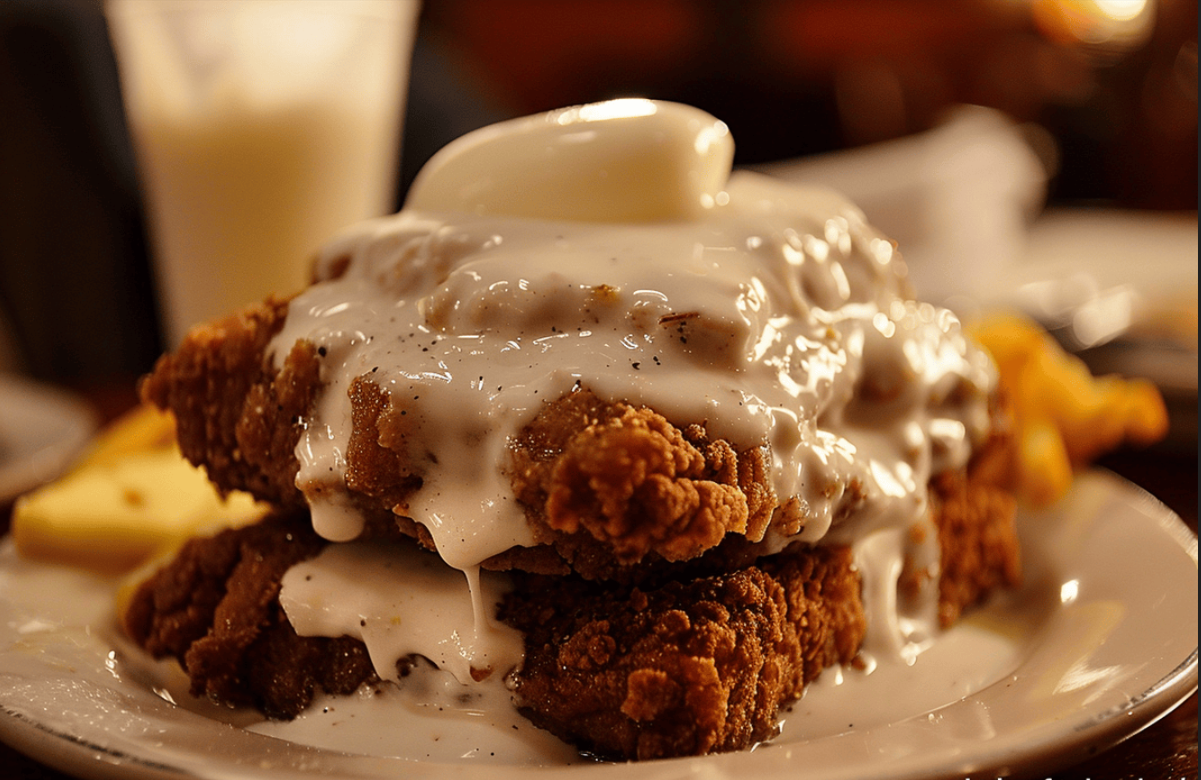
[1166,750]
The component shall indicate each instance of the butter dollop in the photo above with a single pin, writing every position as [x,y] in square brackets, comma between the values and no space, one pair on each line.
[627,160]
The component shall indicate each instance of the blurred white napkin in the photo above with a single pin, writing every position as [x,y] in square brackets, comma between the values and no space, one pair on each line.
[958,199]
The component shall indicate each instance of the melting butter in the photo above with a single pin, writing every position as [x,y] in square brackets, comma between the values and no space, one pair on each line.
[630,160]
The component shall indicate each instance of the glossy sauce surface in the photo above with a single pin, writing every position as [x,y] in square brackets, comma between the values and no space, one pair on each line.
[400,601]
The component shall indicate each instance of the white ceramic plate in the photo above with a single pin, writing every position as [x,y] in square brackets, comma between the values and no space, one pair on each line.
[41,429]
[1100,642]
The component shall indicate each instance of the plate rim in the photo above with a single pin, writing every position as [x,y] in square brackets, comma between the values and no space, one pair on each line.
[32,468]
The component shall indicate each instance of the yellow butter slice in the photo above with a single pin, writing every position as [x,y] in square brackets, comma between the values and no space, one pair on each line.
[112,515]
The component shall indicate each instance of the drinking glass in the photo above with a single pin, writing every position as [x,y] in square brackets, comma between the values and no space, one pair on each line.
[261,127]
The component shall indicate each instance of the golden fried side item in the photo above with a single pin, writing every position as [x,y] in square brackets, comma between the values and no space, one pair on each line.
[1063,416]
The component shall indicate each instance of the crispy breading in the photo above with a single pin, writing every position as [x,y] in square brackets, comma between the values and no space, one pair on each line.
[693,658]
[688,668]
[974,513]
[235,416]
[605,485]
[215,609]
[978,541]
[685,667]
[632,480]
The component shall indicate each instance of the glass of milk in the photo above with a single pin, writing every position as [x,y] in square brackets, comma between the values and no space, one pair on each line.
[261,128]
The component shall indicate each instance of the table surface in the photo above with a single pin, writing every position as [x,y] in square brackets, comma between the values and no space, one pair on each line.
[1167,750]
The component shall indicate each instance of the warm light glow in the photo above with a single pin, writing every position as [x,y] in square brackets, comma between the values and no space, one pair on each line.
[620,108]
[1069,591]
[1122,10]
[1112,25]
[710,136]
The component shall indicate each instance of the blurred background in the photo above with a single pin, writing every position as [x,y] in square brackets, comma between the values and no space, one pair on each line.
[1041,148]
[1102,95]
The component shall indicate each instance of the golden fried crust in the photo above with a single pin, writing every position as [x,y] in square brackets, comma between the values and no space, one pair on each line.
[977,536]
[376,462]
[235,415]
[975,514]
[215,609]
[689,668]
[693,658]
[629,479]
